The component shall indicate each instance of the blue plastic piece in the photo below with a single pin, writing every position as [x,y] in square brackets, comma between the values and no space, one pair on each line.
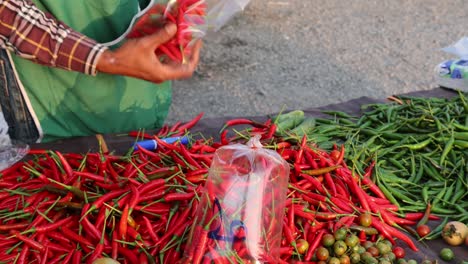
[152,144]
[456,74]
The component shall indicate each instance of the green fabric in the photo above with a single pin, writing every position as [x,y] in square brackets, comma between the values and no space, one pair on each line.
[70,104]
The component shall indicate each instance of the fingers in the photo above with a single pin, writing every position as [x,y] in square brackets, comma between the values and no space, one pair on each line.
[196,54]
[179,71]
[162,36]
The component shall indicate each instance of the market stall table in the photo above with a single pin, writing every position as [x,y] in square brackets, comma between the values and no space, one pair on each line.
[210,127]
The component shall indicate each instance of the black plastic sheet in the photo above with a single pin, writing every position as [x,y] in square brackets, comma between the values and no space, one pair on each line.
[210,127]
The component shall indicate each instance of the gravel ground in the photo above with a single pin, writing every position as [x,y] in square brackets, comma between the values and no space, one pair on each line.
[297,54]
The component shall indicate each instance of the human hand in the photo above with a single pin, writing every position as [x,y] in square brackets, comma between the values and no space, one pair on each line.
[136,58]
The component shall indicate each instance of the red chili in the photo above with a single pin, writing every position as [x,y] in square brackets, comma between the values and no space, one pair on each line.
[301,150]
[178,227]
[390,219]
[44,258]
[152,155]
[59,237]
[123,225]
[270,132]
[320,171]
[77,254]
[85,243]
[11,169]
[100,217]
[171,197]
[89,227]
[398,234]
[13,226]
[317,240]
[92,176]
[155,195]
[288,234]
[139,134]
[169,52]
[360,193]
[135,197]
[316,183]
[50,227]
[105,198]
[162,132]
[150,230]
[66,166]
[200,246]
[129,255]
[373,187]
[175,127]
[426,215]
[215,256]
[97,252]
[158,174]
[316,196]
[331,184]
[132,233]
[114,245]
[191,123]
[239,121]
[133,170]
[307,215]
[377,224]
[22,258]
[418,216]
[55,247]
[121,203]
[188,156]
[197,179]
[143,259]
[55,171]
[291,218]
[67,258]
[28,241]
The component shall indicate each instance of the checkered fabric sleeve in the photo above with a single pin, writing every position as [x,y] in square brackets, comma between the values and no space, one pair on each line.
[37,36]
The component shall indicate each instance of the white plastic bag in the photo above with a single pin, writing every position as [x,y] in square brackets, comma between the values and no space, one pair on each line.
[10,152]
[221,11]
[194,19]
[453,73]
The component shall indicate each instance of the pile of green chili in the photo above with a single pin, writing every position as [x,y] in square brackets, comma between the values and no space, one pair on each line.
[419,145]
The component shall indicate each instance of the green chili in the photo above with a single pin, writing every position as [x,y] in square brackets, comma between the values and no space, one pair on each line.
[425,194]
[420,172]
[419,145]
[447,148]
[459,190]
[435,233]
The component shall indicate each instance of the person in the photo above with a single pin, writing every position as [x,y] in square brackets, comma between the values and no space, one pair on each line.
[61,80]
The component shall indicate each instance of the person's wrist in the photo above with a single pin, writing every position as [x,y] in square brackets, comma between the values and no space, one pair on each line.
[106,62]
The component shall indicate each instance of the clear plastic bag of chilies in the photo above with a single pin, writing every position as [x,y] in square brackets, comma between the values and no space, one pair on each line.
[241,207]
[194,18]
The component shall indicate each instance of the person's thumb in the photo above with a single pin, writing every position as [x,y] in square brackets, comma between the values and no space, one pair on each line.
[164,35]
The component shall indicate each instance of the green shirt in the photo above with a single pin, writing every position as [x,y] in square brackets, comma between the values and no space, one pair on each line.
[69,104]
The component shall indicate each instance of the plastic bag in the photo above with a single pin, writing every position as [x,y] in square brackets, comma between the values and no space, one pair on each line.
[453,73]
[10,151]
[194,18]
[241,207]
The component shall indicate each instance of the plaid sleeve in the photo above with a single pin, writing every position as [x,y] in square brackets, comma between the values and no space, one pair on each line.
[34,35]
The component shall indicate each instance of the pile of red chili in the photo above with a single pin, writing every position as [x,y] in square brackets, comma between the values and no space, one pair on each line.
[138,208]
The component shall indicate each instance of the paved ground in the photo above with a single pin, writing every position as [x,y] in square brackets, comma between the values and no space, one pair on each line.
[298,54]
